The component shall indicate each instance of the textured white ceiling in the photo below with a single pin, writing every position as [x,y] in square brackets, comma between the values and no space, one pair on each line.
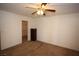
[19,8]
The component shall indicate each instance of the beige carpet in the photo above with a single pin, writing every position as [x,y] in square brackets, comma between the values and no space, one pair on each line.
[36,48]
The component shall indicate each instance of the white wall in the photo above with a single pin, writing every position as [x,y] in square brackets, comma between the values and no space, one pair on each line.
[10,28]
[61,30]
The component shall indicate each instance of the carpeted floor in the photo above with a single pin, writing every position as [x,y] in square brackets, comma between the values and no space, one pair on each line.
[37,48]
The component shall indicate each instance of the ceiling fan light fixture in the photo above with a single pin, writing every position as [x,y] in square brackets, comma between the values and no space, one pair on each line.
[40,12]
[42,6]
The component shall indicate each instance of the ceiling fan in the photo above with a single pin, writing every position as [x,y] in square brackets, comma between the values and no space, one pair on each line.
[42,9]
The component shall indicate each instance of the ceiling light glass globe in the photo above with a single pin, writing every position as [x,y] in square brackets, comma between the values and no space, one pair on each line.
[40,12]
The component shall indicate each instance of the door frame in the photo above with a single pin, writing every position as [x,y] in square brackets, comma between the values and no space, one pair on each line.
[0,40]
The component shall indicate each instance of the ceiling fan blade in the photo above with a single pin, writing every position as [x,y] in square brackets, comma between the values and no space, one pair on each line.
[32,7]
[50,10]
[44,4]
[34,12]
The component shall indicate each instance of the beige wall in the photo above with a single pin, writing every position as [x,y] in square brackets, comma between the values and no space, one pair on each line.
[61,30]
[11,32]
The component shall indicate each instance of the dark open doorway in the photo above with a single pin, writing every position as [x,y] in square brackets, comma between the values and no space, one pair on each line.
[24,31]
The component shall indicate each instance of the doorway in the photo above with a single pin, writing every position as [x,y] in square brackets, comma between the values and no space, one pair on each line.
[24,31]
